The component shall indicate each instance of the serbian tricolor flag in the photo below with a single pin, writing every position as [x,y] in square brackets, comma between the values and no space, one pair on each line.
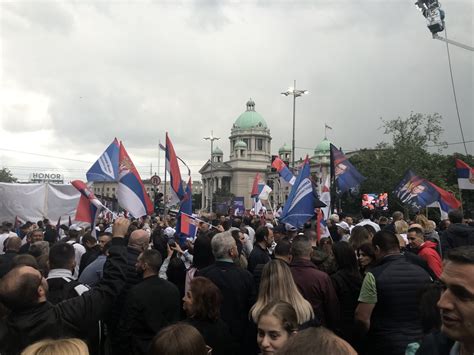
[189,225]
[89,206]
[465,175]
[283,170]
[177,191]
[186,207]
[446,201]
[131,193]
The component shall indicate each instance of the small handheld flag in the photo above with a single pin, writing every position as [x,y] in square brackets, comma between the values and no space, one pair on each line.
[283,170]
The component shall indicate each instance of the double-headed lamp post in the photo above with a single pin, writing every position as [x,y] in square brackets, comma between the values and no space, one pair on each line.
[212,139]
[295,93]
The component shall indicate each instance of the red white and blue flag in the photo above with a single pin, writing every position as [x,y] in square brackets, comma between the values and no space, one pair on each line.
[89,206]
[189,225]
[131,193]
[176,183]
[446,201]
[465,175]
[283,170]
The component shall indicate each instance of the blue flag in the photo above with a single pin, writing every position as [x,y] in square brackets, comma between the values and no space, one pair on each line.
[416,191]
[299,207]
[345,174]
[107,166]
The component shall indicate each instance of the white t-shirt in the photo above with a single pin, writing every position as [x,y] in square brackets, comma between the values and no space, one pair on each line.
[79,251]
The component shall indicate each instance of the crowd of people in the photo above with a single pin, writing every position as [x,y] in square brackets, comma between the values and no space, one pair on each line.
[243,285]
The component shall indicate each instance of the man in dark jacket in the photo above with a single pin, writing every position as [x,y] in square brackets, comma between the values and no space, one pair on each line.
[61,284]
[137,243]
[151,305]
[237,287]
[315,286]
[23,290]
[259,254]
[458,234]
[12,246]
[388,307]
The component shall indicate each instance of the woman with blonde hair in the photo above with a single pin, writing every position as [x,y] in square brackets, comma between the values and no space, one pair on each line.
[429,231]
[401,229]
[71,346]
[277,284]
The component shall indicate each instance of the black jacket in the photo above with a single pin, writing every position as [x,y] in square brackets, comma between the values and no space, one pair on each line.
[216,335]
[457,235]
[238,295]
[347,286]
[257,256]
[112,320]
[395,322]
[6,262]
[71,318]
[151,305]
[435,344]
[89,256]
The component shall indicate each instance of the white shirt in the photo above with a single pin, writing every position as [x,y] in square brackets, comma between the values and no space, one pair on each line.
[79,250]
[370,223]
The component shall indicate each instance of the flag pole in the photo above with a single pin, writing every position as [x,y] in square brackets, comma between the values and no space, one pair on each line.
[273,211]
[460,200]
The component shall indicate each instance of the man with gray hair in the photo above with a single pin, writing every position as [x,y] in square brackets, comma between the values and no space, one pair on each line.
[237,287]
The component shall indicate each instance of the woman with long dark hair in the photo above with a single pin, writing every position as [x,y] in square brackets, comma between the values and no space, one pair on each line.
[202,306]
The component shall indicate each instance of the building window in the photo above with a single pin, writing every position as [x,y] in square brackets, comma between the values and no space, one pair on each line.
[113,189]
[259,144]
[107,189]
[247,141]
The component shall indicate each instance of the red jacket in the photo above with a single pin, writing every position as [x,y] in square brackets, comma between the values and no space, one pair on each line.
[428,252]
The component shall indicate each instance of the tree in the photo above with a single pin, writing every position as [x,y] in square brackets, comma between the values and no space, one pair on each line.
[6,175]
[386,165]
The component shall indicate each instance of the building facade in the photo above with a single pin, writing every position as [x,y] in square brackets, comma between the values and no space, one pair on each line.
[250,153]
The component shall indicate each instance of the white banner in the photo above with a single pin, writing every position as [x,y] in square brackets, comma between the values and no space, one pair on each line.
[33,202]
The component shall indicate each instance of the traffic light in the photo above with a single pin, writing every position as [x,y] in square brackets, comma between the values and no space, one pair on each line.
[157,202]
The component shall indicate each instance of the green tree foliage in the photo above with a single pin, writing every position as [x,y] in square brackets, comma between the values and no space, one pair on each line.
[411,138]
[6,175]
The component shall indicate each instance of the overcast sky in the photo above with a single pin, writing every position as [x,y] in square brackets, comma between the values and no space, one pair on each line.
[76,74]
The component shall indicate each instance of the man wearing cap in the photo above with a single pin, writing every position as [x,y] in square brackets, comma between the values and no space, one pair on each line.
[343,231]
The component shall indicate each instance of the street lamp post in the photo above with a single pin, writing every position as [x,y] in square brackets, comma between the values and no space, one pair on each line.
[212,139]
[295,93]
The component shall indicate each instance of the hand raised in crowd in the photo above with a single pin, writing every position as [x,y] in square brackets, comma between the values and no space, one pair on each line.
[169,251]
[177,248]
[120,227]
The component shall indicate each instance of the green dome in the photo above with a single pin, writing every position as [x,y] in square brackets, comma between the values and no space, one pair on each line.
[284,149]
[217,150]
[323,148]
[240,145]
[250,118]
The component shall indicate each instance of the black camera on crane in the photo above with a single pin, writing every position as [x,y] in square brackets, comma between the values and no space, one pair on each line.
[431,10]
